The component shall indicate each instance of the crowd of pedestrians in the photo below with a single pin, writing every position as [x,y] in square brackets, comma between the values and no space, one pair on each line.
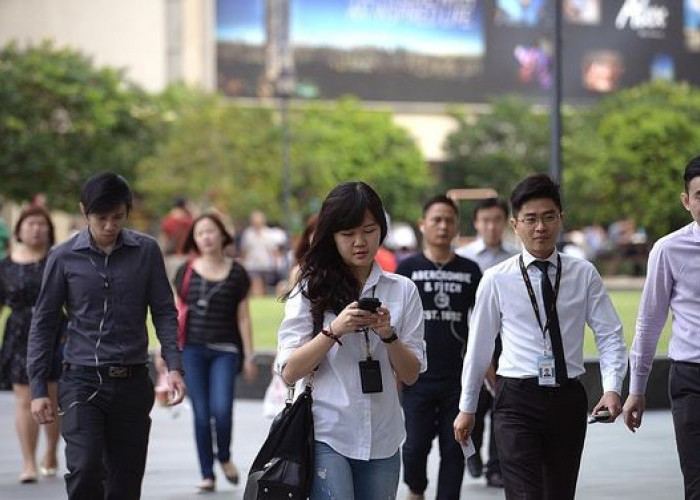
[397,357]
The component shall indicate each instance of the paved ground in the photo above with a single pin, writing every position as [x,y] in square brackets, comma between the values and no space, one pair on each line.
[616,464]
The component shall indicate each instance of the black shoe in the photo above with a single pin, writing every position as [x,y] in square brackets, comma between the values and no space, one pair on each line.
[475,466]
[494,480]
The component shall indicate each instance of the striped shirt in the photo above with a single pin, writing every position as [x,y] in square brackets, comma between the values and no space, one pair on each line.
[213,306]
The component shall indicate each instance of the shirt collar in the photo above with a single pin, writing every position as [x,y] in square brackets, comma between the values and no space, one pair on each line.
[84,241]
[375,275]
[528,258]
[479,245]
[696,231]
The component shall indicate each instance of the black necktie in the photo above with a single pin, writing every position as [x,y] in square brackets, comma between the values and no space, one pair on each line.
[554,331]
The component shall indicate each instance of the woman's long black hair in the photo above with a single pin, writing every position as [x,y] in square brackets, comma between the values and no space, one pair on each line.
[330,284]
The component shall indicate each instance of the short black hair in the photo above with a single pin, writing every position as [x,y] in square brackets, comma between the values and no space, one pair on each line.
[490,203]
[440,198]
[180,202]
[692,170]
[105,191]
[534,187]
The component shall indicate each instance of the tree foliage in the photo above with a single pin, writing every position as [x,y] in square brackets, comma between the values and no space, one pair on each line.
[63,119]
[498,148]
[217,154]
[624,158]
[223,154]
[344,142]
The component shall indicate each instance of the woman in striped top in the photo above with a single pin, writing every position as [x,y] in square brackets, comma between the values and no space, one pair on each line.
[218,342]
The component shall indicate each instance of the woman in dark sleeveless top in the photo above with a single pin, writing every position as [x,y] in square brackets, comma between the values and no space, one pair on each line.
[20,282]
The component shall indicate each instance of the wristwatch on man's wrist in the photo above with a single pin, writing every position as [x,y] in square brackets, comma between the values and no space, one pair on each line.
[392,338]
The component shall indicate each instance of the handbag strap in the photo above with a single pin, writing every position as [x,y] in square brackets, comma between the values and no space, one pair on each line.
[310,384]
[185,285]
[292,388]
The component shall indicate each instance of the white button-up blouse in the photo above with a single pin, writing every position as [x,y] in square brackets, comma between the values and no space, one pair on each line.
[356,425]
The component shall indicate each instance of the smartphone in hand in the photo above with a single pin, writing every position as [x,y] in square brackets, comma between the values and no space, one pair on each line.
[370,304]
[601,416]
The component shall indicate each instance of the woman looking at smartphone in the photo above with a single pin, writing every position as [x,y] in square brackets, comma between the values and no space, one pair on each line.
[358,353]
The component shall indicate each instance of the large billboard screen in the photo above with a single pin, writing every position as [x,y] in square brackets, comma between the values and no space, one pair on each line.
[452,50]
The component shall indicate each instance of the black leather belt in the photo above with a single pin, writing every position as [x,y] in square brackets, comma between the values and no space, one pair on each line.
[127,371]
[689,364]
[533,382]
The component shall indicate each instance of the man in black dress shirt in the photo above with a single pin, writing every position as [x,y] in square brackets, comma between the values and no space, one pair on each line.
[105,277]
[447,285]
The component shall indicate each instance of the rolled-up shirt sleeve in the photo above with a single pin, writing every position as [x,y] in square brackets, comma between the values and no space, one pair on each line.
[296,328]
[607,330]
[45,326]
[163,312]
[411,329]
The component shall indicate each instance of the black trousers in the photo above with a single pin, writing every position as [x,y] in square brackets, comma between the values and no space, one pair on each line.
[430,408]
[684,391]
[107,437]
[540,433]
[485,406]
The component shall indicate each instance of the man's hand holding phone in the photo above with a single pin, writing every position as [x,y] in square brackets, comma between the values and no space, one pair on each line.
[600,416]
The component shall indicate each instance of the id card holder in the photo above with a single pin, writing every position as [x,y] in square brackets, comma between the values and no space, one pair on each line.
[545,369]
[371,376]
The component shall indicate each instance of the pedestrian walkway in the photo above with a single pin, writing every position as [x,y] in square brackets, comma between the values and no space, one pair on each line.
[616,464]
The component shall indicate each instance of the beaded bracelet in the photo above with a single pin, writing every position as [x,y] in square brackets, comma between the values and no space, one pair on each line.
[329,333]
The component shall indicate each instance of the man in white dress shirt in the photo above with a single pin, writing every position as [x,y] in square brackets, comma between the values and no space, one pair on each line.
[540,301]
[673,274]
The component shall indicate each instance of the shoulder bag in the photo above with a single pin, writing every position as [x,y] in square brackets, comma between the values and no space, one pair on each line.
[284,464]
[182,307]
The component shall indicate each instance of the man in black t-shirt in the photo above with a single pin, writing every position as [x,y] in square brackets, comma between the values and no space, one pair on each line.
[447,284]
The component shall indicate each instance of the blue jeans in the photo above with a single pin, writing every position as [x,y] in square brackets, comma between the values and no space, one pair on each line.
[210,376]
[341,478]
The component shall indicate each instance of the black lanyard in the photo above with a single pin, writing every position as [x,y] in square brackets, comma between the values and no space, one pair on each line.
[369,356]
[531,293]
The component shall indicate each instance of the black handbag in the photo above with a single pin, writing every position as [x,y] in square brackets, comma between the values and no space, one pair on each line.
[283,467]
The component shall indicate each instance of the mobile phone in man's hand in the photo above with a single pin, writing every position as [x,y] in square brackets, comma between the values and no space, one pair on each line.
[601,416]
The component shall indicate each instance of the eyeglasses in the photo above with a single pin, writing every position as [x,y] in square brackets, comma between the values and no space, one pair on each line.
[546,219]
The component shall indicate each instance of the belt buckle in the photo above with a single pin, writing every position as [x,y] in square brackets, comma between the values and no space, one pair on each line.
[118,371]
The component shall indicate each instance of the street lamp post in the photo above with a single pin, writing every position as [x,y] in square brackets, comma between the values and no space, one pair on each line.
[555,112]
[285,90]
